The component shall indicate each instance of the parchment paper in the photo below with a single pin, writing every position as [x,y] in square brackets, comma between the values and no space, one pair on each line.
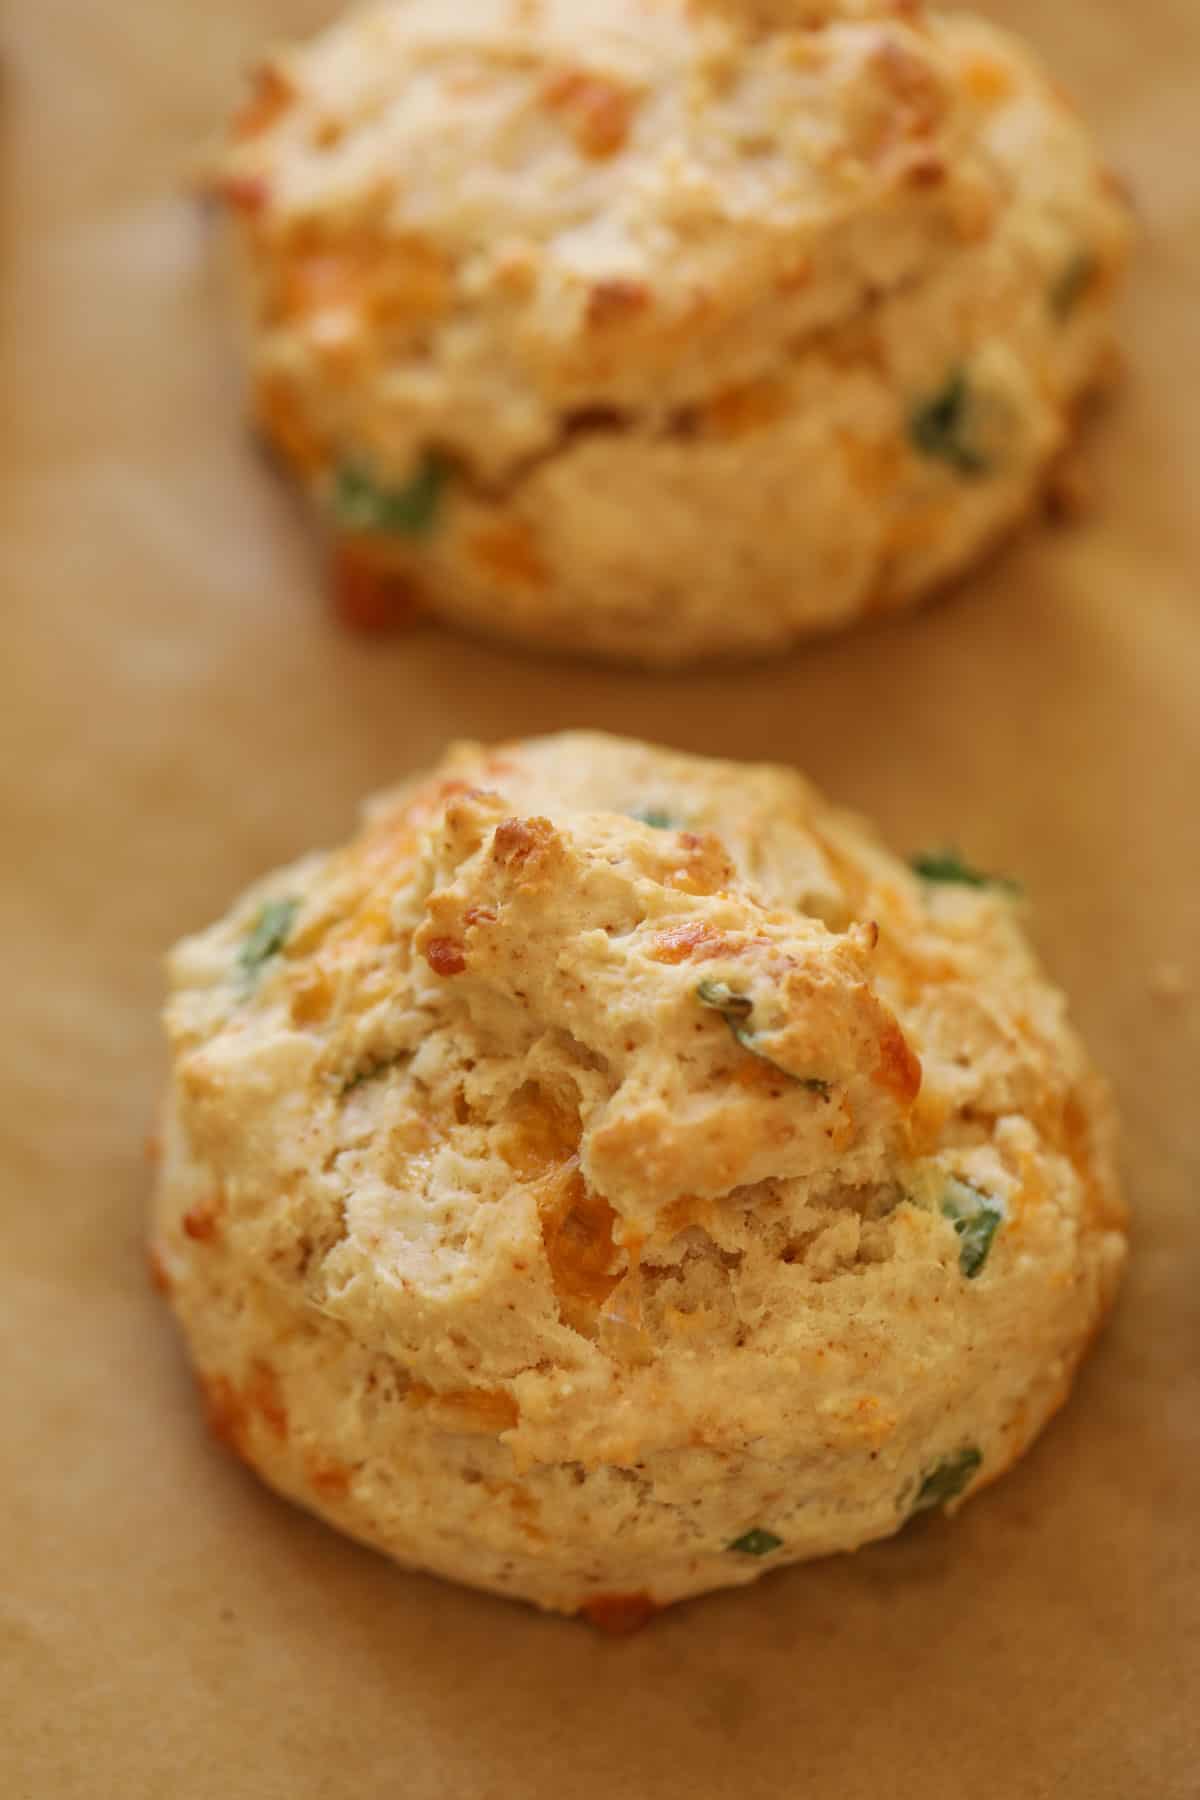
[177,714]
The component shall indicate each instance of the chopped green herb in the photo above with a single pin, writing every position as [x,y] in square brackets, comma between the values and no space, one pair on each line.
[941,427]
[756,1543]
[1073,284]
[976,1218]
[655,818]
[948,866]
[721,997]
[268,936]
[736,1009]
[371,1071]
[947,1479]
[410,511]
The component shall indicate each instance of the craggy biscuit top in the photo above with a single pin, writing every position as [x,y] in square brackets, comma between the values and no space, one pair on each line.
[477,231]
[624,1064]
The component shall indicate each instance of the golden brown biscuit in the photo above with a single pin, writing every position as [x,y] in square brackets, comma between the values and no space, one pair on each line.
[662,332]
[613,1175]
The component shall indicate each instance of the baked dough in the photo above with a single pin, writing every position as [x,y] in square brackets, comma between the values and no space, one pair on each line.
[614,1175]
[662,332]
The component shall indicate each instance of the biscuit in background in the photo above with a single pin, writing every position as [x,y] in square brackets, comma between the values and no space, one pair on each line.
[655,332]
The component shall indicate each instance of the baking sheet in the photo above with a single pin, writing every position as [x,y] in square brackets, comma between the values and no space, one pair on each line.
[176,714]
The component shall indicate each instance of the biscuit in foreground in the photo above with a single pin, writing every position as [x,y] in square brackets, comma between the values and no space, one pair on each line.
[613,1175]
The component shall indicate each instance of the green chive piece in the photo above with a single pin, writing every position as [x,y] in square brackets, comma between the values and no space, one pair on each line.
[360,1077]
[947,1479]
[269,934]
[1073,284]
[940,427]
[736,1009]
[655,818]
[976,1218]
[359,504]
[949,867]
[722,998]
[756,1543]
[371,1071]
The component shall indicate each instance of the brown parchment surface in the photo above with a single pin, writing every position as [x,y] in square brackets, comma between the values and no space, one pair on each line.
[177,714]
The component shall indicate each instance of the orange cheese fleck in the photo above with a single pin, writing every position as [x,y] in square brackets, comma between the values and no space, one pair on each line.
[393,282]
[484,1410]
[615,303]
[704,867]
[281,416]
[372,599]
[518,842]
[269,99]
[445,956]
[683,1212]
[311,998]
[618,1614]
[899,1068]
[987,80]
[597,112]
[508,551]
[224,1411]
[736,411]
[262,1395]
[539,1136]
[577,1234]
[694,942]
[926,1122]
[246,194]
[202,1222]
[328,1478]
[319,281]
